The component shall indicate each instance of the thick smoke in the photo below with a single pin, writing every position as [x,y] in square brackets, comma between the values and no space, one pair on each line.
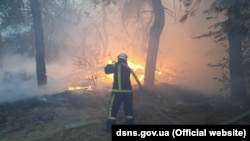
[184,58]
[18,78]
[189,57]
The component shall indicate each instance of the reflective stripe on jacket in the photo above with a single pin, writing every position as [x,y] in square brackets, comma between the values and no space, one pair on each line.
[121,76]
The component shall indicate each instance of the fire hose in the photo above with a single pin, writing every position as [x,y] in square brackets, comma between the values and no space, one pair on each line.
[172,121]
[156,107]
[166,117]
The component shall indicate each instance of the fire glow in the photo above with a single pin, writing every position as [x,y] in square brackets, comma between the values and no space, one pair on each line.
[137,68]
[80,88]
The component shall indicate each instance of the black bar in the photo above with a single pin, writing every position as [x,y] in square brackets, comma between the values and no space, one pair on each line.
[179,132]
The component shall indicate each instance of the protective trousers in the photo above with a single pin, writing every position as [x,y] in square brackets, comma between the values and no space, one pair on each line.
[117,99]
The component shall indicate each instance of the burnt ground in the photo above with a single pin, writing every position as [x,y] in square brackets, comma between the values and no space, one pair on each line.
[81,116]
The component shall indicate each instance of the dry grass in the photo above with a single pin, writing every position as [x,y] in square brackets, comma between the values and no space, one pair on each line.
[44,119]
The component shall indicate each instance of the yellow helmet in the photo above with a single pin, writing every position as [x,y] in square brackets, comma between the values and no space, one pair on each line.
[123,56]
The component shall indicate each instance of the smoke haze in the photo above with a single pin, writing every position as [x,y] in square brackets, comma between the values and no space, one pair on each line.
[185,58]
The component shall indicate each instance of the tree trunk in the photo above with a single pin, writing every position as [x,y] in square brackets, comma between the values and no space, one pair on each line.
[1,52]
[39,43]
[154,37]
[237,79]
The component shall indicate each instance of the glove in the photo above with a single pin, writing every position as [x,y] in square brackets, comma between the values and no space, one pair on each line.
[109,68]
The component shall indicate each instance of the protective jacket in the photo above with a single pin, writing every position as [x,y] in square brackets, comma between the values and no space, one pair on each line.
[121,76]
[121,92]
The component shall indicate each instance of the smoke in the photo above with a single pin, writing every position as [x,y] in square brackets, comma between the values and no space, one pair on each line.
[183,58]
[18,78]
[190,57]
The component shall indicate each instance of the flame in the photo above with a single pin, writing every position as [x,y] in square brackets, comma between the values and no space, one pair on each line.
[75,88]
[137,68]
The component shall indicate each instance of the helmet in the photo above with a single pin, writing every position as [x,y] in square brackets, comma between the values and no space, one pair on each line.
[123,56]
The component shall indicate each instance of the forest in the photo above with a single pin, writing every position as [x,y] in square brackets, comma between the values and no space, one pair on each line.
[189,59]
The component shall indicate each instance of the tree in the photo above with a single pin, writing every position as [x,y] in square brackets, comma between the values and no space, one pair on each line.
[1,52]
[39,43]
[11,15]
[233,30]
[89,54]
[153,45]
[237,78]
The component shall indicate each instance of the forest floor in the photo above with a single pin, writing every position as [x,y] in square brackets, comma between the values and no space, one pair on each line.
[53,117]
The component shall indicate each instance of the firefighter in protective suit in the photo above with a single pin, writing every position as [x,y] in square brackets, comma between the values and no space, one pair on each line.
[121,90]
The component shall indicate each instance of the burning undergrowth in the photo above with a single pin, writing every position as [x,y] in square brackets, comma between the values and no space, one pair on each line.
[18,81]
[95,79]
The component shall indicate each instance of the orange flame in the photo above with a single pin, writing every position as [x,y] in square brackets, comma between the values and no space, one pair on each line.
[76,88]
[137,68]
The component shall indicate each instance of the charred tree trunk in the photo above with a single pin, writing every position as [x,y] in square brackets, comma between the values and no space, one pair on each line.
[237,79]
[154,37]
[39,43]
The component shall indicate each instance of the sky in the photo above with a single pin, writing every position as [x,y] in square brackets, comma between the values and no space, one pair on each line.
[184,58]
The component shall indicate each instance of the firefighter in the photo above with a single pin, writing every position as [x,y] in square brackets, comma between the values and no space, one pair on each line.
[121,91]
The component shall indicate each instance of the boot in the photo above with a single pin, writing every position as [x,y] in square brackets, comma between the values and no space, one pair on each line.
[129,121]
[109,125]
